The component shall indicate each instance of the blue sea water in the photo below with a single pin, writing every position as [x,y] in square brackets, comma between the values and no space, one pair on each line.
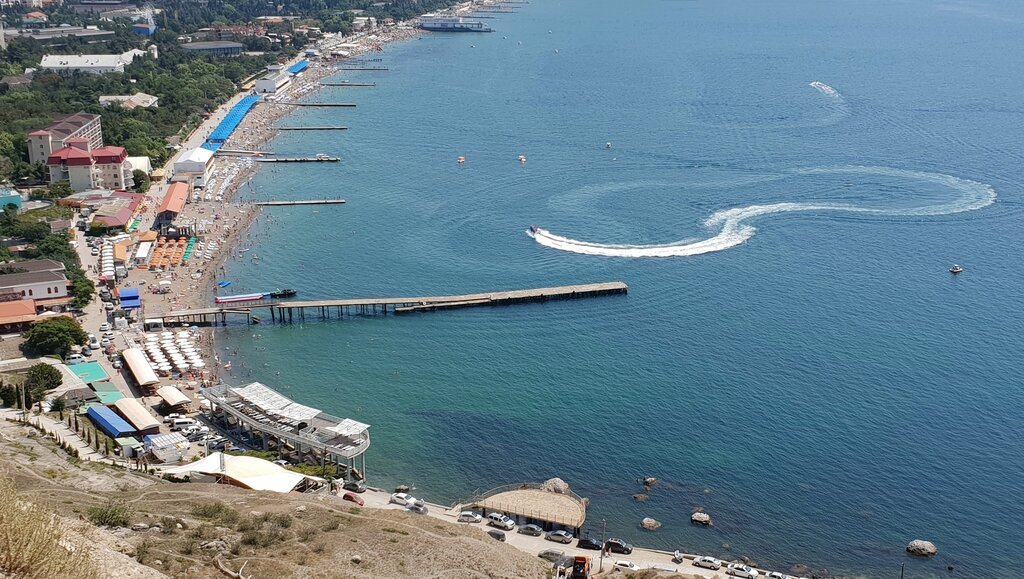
[822,386]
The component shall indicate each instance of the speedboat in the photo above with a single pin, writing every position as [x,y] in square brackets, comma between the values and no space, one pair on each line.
[532,232]
[955,269]
[283,293]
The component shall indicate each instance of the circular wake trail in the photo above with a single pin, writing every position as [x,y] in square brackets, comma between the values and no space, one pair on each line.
[733,229]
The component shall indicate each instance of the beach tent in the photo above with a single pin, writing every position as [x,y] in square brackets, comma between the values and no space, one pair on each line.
[247,472]
[138,416]
[172,396]
[139,367]
[109,422]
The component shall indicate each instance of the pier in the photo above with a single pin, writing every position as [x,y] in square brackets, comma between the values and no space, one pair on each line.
[316,159]
[295,104]
[241,152]
[312,128]
[300,202]
[378,68]
[288,311]
[322,83]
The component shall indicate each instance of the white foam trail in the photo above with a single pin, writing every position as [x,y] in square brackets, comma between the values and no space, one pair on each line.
[827,90]
[733,229]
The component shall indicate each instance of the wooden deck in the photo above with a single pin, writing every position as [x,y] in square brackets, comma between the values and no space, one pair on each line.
[287,310]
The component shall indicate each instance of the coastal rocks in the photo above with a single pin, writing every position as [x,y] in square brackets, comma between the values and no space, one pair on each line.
[650,524]
[799,569]
[402,489]
[640,497]
[700,519]
[555,485]
[922,548]
[650,482]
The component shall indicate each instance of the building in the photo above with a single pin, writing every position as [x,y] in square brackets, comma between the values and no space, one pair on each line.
[90,63]
[57,35]
[16,81]
[34,20]
[110,209]
[360,23]
[173,203]
[276,79]
[144,28]
[215,47]
[42,143]
[9,197]
[17,315]
[194,166]
[34,265]
[87,168]
[129,102]
[42,286]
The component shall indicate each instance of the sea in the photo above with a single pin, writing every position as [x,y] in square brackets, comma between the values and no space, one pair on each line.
[783,185]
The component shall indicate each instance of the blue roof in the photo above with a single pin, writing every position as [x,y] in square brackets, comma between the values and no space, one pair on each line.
[109,422]
[211,146]
[232,120]
[298,67]
[129,292]
[130,298]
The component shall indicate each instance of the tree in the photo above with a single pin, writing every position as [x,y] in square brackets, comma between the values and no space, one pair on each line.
[54,336]
[60,190]
[141,180]
[58,405]
[42,377]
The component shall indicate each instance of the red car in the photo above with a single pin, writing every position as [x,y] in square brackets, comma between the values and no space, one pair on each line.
[354,498]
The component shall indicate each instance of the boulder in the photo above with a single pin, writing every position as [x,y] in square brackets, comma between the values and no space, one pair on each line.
[640,497]
[922,548]
[140,527]
[300,509]
[356,559]
[650,524]
[700,519]
[799,569]
[402,489]
[555,485]
[650,481]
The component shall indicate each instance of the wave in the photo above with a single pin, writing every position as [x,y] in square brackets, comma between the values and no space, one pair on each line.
[734,230]
[826,90]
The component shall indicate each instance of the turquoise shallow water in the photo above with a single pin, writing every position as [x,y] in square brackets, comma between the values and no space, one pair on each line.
[825,389]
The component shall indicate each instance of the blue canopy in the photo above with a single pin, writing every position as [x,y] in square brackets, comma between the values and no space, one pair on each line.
[130,298]
[109,422]
[298,67]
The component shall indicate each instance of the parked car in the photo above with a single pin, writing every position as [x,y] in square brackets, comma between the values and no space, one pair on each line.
[353,497]
[777,575]
[109,306]
[470,517]
[551,555]
[707,562]
[356,486]
[532,530]
[75,359]
[105,327]
[95,251]
[86,351]
[402,499]
[618,546]
[170,417]
[589,543]
[418,507]
[117,364]
[741,570]
[108,335]
[559,536]
[104,343]
[93,342]
[497,535]
[501,521]
[628,565]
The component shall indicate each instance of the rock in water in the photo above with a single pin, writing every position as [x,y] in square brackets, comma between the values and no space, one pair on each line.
[650,481]
[640,497]
[555,485]
[922,548]
[700,519]
[650,524]
[402,489]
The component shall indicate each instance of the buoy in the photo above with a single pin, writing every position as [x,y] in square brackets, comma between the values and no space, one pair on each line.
[608,145]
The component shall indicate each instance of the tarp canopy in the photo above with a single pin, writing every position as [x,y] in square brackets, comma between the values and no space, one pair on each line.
[348,427]
[130,298]
[273,403]
[109,422]
[163,440]
[139,367]
[247,471]
[136,414]
[172,396]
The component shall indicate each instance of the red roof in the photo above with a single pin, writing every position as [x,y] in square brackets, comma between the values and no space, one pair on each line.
[175,198]
[70,156]
[109,155]
[76,140]
[40,132]
[35,15]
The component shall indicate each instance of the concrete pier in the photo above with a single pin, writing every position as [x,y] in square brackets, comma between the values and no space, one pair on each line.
[300,202]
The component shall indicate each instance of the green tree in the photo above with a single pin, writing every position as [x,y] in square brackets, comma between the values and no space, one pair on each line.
[41,378]
[60,190]
[141,180]
[54,336]
[58,405]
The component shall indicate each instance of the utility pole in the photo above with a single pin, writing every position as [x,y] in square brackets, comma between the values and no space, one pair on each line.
[901,570]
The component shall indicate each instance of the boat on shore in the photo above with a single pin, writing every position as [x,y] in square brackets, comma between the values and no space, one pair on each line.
[283,293]
[437,23]
[239,298]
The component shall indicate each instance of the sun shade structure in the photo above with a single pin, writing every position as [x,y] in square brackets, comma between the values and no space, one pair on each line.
[533,502]
[137,415]
[139,367]
[172,396]
[273,403]
[247,472]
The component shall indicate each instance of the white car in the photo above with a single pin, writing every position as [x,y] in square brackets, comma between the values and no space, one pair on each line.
[109,306]
[501,521]
[741,570]
[707,562]
[104,342]
[104,327]
[469,517]
[777,575]
[628,565]
[403,499]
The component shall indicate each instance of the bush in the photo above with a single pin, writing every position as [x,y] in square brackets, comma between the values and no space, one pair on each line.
[283,520]
[216,512]
[114,514]
[168,525]
[32,542]
[54,336]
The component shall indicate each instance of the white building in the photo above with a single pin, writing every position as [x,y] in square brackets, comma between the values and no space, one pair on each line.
[90,63]
[276,79]
[87,168]
[35,285]
[194,166]
[42,143]
[129,102]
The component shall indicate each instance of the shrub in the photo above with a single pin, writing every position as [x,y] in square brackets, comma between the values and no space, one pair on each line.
[217,511]
[168,525]
[332,525]
[283,520]
[32,542]
[113,514]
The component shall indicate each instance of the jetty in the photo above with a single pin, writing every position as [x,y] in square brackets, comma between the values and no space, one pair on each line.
[322,83]
[316,159]
[295,104]
[241,152]
[300,202]
[312,128]
[281,311]
[377,68]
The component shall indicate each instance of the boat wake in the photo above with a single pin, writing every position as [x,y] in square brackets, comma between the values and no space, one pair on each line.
[734,229]
[827,90]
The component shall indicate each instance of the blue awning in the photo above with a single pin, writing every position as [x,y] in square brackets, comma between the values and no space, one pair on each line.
[298,67]
[109,422]
[130,298]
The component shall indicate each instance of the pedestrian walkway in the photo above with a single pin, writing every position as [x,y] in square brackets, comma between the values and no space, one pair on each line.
[61,432]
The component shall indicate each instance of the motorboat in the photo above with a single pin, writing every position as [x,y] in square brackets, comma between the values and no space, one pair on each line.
[955,269]
[283,293]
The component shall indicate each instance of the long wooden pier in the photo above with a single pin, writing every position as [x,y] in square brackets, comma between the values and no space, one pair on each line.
[377,68]
[312,128]
[322,83]
[317,159]
[300,202]
[295,104]
[287,311]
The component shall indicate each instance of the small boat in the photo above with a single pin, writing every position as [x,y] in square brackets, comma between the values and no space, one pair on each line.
[283,293]
[461,159]
[522,158]
[955,269]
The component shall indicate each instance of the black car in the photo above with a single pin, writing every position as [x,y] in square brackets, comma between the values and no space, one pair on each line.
[593,544]
[618,546]
[496,534]
[532,530]
[355,486]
